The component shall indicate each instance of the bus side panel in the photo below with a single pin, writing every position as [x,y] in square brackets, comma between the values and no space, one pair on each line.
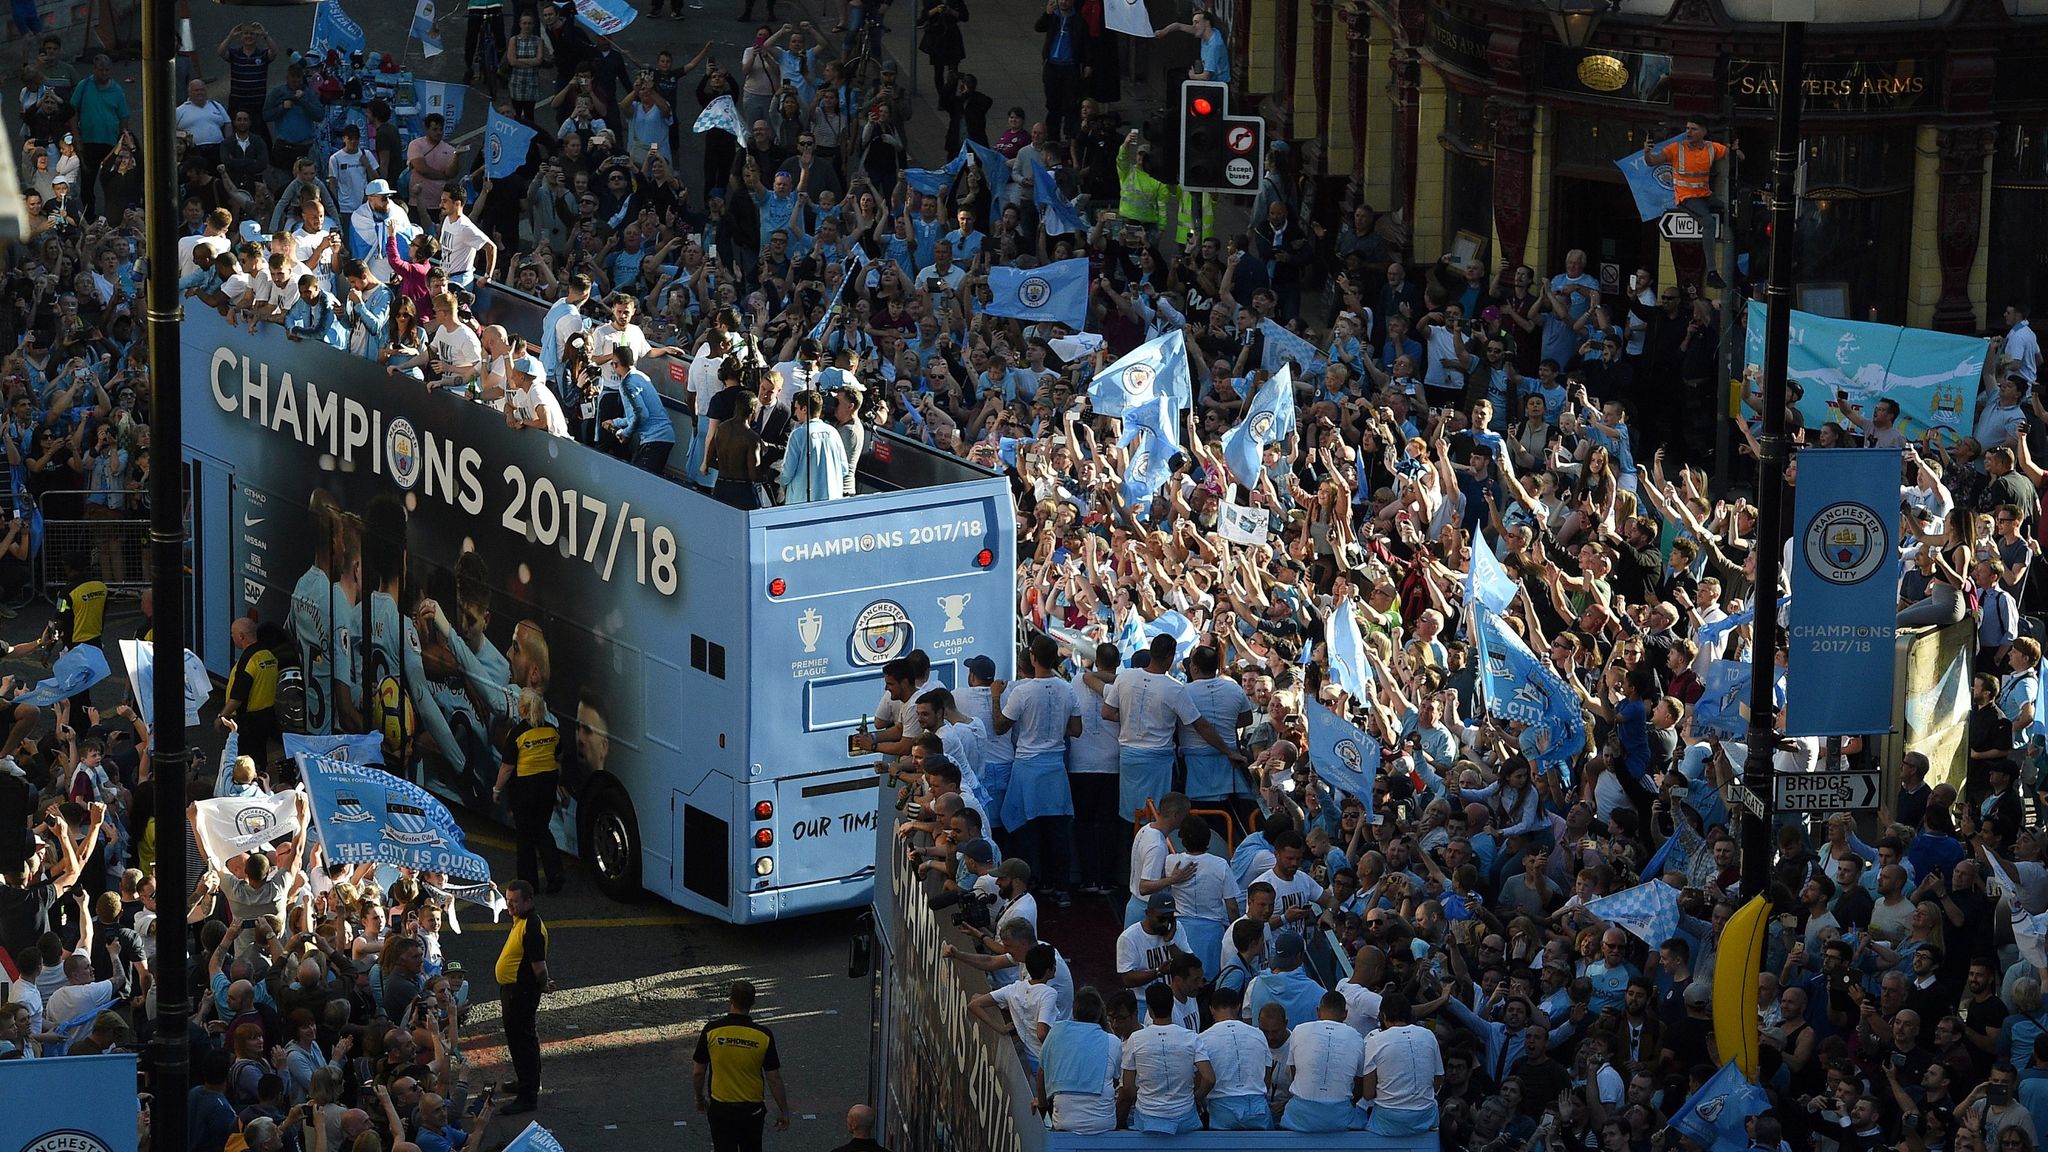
[533,563]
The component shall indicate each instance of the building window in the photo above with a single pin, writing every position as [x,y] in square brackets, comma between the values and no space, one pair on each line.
[1858,205]
[2018,271]
[1468,170]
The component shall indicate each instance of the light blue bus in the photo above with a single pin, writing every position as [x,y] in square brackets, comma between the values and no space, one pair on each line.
[704,665]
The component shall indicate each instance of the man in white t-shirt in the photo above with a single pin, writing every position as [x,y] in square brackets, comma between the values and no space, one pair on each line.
[530,403]
[1144,949]
[350,170]
[1149,707]
[1031,1004]
[1404,1069]
[467,254]
[1160,1077]
[81,994]
[1240,1067]
[1326,1058]
[1361,1003]
[1150,847]
[1296,894]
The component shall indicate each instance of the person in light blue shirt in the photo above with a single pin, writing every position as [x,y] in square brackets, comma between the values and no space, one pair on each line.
[814,467]
[1215,61]
[1288,984]
[315,316]
[645,421]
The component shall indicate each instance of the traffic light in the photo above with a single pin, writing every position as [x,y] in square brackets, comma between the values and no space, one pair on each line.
[1218,152]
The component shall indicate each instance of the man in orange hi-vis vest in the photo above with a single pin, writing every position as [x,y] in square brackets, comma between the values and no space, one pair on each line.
[1692,158]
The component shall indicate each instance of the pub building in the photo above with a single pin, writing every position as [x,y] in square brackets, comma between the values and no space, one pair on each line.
[1925,134]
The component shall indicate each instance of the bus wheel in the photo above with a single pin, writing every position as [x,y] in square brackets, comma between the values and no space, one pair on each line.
[612,837]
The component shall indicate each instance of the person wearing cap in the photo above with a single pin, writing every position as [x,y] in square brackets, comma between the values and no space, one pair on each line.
[1144,949]
[1031,1005]
[1287,983]
[379,219]
[529,402]
[814,467]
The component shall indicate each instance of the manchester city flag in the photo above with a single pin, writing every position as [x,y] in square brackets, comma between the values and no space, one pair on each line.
[1279,346]
[1714,1116]
[1648,911]
[1345,756]
[1486,582]
[1268,420]
[994,168]
[335,30]
[1649,181]
[85,1103]
[534,1138]
[1344,646]
[1057,291]
[1845,566]
[505,144]
[1517,686]
[720,115]
[1152,440]
[935,181]
[1060,216]
[1159,365]
[75,671]
[368,815]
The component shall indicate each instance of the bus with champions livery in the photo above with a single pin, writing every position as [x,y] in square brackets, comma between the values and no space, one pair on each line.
[702,665]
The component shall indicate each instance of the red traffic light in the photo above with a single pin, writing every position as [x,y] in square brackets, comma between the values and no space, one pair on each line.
[1201,106]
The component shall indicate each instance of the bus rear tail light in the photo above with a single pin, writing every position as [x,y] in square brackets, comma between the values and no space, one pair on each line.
[763,837]
[764,809]
[984,558]
[777,587]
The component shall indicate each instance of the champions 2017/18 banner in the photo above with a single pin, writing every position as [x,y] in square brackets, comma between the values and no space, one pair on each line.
[72,1104]
[1849,365]
[1845,587]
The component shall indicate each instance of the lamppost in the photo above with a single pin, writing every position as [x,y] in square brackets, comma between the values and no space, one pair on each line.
[1771,453]
[1575,20]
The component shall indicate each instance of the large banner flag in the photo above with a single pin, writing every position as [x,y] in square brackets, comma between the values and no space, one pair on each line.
[1268,420]
[1714,1117]
[1723,708]
[1344,647]
[1650,181]
[1128,17]
[75,671]
[1345,756]
[367,814]
[1171,623]
[1157,365]
[334,30]
[721,115]
[1279,346]
[1845,567]
[1648,911]
[935,181]
[994,168]
[347,747]
[426,28]
[1057,291]
[1850,365]
[229,826]
[605,17]
[534,1138]
[85,1103]
[141,659]
[443,97]
[1486,582]
[1519,687]
[1151,437]
[1060,215]
[505,143]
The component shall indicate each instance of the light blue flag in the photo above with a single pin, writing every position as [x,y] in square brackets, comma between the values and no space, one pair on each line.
[1281,346]
[1852,365]
[1517,686]
[335,30]
[1158,366]
[721,115]
[1057,291]
[1267,421]
[935,181]
[1344,755]
[1130,637]
[347,747]
[1649,183]
[1344,645]
[443,97]
[367,815]
[77,1102]
[1712,632]
[1149,433]
[1486,582]
[1177,626]
[1723,708]
[534,1138]
[425,30]
[1677,851]
[1649,911]
[75,671]
[1060,215]
[1714,1117]
[605,17]
[505,143]
[994,169]
[854,264]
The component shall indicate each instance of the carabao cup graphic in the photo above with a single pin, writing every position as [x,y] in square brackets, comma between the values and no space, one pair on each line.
[953,606]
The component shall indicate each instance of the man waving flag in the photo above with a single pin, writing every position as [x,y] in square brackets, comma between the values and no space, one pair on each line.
[505,145]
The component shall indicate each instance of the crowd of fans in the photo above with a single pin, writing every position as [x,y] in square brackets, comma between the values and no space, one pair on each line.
[1291,955]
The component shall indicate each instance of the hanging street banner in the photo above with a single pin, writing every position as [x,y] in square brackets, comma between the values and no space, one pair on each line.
[1844,367]
[1845,587]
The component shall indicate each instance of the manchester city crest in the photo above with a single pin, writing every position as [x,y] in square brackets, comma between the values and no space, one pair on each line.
[1845,544]
[1034,292]
[880,633]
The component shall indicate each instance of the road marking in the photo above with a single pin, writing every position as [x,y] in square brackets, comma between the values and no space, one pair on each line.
[489,841]
[664,920]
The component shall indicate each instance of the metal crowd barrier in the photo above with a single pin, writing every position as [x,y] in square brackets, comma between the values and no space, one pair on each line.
[111,543]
